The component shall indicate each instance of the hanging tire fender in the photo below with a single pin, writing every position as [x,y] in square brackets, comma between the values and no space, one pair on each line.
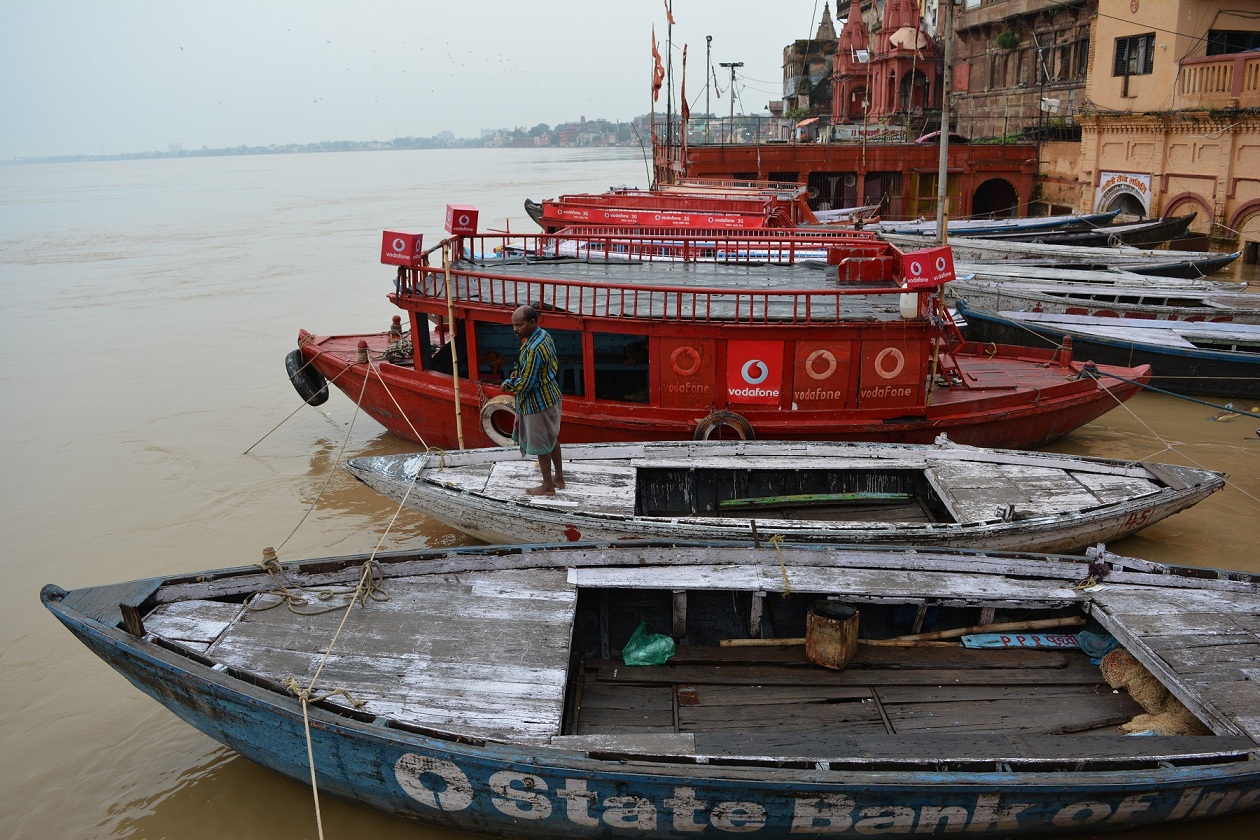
[729,419]
[503,402]
[307,381]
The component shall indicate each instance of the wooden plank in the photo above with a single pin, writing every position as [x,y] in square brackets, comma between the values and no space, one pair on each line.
[673,743]
[978,491]
[197,622]
[605,487]
[486,654]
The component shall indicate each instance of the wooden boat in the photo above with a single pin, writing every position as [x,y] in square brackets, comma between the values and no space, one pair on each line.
[1145,233]
[676,344]
[1150,302]
[1089,277]
[733,205]
[485,690]
[869,494]
[987,227]
[1214,359]
[1163,263]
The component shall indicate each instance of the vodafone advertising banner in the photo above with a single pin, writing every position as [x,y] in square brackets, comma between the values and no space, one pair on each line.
[928,268]
[754,372]
[402,248]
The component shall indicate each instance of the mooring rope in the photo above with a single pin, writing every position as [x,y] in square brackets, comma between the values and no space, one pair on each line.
[299,408]
[776,540]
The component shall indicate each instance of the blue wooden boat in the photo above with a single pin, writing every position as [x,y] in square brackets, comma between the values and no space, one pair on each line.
[486,690]
[985,227]
[1187,357]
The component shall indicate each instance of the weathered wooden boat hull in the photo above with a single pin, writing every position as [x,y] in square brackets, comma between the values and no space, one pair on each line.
[1031,399]
[1222,373]
[1152,303]
[983,786]
[1139,234]
[481,493]
[987,227]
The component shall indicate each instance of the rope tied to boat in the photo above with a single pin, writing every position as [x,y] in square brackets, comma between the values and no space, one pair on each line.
[307,696]
[776,540]
[296,597]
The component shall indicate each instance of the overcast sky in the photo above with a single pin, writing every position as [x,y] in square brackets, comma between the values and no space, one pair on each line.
[114,76]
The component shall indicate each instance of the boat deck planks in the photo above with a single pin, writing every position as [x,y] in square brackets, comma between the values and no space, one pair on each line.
[1207,642]
[786,696]
[973,492]
[485,653]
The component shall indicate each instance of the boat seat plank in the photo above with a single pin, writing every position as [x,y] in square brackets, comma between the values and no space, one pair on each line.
[886,583]
[423,656]
[590,486]
[194,624]
[101,602]
[804,462]
[976,492]
[1115,488]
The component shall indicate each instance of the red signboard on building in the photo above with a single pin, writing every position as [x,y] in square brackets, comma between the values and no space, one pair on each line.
[461,220]
[754,372]
[402,248]
[928,268]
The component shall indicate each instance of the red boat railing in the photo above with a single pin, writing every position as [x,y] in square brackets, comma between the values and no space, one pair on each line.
[484,286]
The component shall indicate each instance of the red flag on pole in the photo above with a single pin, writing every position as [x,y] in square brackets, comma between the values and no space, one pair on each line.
[658,71]
[686,111]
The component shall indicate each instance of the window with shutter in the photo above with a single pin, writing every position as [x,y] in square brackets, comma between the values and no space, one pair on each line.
[1135,55]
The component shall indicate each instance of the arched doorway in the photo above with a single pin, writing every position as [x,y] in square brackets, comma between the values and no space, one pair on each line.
[1127,203]
[995,199]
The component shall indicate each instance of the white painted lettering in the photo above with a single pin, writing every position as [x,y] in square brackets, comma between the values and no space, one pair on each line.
[577,802]
[989,817]
[630,812]
[885,820]
[1131,805]
[822,815]
[521,795]
[684,806]
[738,816]
[1189,796]
[1081,813]
[1216,803]
[931,818]
[433,782]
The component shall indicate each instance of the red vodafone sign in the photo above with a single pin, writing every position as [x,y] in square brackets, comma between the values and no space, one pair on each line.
[402,248]
[928,268]
[461,220]
[754,372]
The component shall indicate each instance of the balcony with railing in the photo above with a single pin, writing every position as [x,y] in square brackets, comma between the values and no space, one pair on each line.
[1220,81]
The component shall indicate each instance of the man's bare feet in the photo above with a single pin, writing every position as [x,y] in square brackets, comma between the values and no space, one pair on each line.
[541,491]
[559,484]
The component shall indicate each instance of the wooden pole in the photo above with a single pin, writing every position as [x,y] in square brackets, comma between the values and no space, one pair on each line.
[450,320]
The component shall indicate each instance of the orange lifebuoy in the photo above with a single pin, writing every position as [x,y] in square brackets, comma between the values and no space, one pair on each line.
[694,358]
[729,419]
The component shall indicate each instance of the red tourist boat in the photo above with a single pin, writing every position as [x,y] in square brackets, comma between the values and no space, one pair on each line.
[687,204]
[692,334]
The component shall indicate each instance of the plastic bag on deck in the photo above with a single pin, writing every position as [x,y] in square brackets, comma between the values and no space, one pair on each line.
[646,648]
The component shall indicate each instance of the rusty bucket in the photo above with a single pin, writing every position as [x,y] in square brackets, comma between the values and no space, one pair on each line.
[831,630]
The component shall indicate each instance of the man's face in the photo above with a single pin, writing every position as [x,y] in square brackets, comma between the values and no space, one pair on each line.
[523,327]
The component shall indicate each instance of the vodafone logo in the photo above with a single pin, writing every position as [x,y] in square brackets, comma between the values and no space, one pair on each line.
[463,220]
[400,244]
[828,360]
[887,369]
[940,263]
[916,268]
[754,371]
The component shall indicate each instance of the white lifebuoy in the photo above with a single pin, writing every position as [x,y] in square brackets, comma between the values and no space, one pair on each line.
[692,354]
[503,402]
[730,420]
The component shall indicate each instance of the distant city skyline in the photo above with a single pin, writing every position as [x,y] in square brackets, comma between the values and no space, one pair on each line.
[109,78]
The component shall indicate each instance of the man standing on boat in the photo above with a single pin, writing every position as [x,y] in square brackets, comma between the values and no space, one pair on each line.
[533,381]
